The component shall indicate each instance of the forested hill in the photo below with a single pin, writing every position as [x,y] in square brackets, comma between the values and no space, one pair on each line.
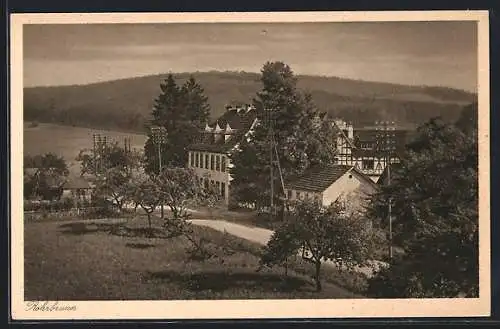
[126,104]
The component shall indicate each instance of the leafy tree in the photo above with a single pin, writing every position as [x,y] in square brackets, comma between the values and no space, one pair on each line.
[44,176]
[110,156]
[435,210]
[302,135]
[115,184]
[467,122]
[111,170]
[180,189]
[146,193]
[320,234]
[182,111]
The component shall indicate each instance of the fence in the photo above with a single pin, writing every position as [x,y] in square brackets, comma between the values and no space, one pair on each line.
[73,213]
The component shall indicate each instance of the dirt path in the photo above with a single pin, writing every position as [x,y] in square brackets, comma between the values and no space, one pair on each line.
[254,234]
[262,236]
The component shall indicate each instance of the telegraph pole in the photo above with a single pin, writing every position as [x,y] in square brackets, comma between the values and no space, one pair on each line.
[159,135]
[273,158]
[99,145]
[269,117]
[387,146]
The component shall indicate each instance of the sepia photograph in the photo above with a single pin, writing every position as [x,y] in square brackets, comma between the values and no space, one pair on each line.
[306,164]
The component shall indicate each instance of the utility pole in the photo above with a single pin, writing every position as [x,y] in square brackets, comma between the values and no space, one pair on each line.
[99,145]
[387,145]
[159,135]
[273,158]
[270,118]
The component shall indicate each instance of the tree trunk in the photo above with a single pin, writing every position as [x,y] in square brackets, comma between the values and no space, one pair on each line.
[317,277]
[149,220]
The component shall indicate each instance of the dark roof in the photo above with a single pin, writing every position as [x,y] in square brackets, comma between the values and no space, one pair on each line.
[30,171]
[240,122]
[237,119]
[319,178]
[401,138]
[394,168]
[76,182]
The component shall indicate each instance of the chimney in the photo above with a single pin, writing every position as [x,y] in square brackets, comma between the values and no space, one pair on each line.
[350,131]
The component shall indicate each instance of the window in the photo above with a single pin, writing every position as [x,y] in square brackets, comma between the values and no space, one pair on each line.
[223,164]
[212,162]
[206,161]
[368,164]
[191,158]
[197,160]
[217,162]
[218,186]
[298,195]
[223,189]
[289,193]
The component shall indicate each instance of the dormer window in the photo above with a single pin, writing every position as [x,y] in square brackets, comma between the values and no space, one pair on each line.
[228,132]
[218,132]
[217,128]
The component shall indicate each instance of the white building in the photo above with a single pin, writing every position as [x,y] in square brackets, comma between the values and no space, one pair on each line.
[327,184]
[209,157]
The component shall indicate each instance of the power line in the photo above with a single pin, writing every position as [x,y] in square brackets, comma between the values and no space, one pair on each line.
[386,143]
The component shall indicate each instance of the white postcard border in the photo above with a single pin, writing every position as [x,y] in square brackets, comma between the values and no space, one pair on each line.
[231,309]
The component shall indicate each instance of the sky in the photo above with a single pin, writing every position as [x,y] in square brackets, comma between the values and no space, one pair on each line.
[412,53]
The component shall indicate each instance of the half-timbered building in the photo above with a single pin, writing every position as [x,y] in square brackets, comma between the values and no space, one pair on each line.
[369,149]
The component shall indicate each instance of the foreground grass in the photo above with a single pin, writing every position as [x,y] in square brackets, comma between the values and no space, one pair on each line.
[99,261]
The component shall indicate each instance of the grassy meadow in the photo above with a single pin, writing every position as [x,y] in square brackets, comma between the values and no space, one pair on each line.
[105,260]
[67,141]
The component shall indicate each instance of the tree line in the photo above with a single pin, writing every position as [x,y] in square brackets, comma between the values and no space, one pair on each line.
[434,193]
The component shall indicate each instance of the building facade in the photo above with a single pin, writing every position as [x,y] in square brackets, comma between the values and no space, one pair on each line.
[369,150]
[209,157]
[327,184]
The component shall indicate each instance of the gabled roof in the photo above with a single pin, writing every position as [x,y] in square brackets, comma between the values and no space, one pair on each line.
[319,178]
[236,119]
[394,167]
[30,171]
[76,182]
[239,122]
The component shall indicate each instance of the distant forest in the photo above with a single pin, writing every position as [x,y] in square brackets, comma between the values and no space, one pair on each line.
[126,104]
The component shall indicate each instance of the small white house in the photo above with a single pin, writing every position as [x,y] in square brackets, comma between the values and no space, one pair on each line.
[77,188]
[329,183]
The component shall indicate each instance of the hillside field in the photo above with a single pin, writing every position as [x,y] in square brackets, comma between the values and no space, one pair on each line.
[67,141]
[126,104]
